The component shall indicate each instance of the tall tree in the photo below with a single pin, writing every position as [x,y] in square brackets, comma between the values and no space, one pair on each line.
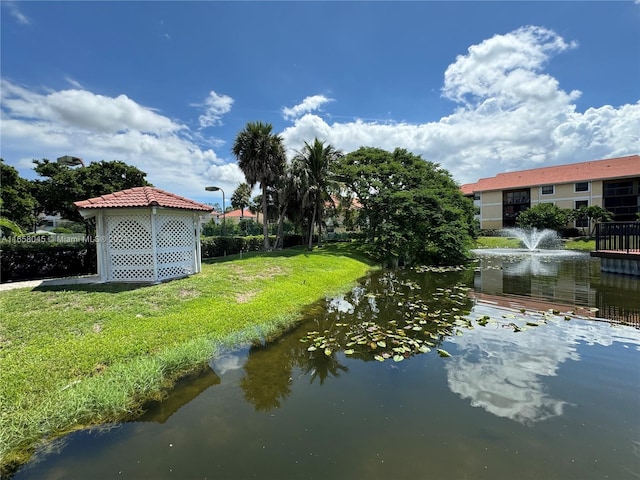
[261,157]
[412,210]
[17,203]
[241,198]
[316,162]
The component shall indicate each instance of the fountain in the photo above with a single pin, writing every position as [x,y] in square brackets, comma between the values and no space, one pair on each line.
[539,245]
[535,239]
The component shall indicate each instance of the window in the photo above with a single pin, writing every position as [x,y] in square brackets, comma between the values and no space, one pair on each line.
[547,190]
[582,187]
[476,196]
[581,222]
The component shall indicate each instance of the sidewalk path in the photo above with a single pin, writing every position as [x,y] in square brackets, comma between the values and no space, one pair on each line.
[49,281]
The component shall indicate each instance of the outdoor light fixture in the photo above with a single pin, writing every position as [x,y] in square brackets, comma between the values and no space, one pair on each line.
[70,161]
[224,218]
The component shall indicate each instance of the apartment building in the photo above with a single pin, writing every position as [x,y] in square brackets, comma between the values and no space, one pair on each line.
[612,183]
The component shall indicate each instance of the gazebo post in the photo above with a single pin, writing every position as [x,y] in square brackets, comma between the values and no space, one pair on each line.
[154,245]
[101,247]
[198,253]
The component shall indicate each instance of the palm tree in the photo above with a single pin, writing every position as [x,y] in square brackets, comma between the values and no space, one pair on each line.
[315,165]
[241,198]
[261,157]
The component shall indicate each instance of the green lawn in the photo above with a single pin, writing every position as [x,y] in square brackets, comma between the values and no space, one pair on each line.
[498,242]
[85,354]
[583,244]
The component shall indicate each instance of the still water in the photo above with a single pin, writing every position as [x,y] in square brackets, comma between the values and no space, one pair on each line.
[503,370]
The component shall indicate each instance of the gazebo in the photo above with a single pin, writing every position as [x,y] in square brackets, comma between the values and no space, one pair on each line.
[145,234]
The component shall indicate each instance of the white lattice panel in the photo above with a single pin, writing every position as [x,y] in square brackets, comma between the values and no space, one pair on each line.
[130,248]
[175,241]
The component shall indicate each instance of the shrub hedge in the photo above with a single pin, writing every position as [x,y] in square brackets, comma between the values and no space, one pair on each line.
[34,260]
[39,258]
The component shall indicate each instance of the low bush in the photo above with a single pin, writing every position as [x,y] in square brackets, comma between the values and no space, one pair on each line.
[570,232]
[220,246]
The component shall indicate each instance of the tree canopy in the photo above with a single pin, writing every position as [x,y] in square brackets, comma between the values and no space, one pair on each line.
[63,185]
[241,197]
[17,203]
[412,210]
[544,215]
[593,214]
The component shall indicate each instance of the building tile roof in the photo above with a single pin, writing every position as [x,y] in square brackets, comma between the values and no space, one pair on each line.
[238,214]
[574,172]
[142,197]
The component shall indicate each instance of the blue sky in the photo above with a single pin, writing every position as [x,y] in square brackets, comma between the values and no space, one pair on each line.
[479,87]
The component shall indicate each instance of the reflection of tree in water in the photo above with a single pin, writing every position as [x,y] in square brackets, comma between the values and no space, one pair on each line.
[268,370]
[322,366]
[267,378]
[390,301]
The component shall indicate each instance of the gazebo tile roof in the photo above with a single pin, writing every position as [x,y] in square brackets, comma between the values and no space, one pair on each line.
[142,197]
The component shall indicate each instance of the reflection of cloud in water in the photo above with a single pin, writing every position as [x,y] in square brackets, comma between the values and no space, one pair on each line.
[340,304]
[503,371]
[226,363]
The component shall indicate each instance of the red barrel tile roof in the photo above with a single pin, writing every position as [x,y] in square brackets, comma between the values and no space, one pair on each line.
[142,197]
[574,172]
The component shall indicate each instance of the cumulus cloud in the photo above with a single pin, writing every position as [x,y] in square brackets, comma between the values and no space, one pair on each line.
[309,104]
[97,127]
[509,115]
[215,107]
[229,174]
[81,109]
[506,68]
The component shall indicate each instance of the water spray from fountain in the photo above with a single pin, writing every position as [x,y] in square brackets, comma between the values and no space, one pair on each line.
[535,239]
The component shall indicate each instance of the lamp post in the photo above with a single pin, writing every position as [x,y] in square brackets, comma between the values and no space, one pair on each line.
[224,208]
[70,161]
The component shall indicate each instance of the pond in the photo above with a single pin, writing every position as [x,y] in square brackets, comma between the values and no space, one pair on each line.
[504,370]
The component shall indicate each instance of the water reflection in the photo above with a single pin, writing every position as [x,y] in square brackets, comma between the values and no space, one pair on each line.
[393,315]
[186,390]
[568,281]
[286,410]
[504,374]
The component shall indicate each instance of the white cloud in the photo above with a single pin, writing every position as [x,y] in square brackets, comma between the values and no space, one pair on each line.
[83,110]
[511,115]
[21,18]
[74,83]
[228,175]
[97,127]
[309,104]
[215,107]
[506,68]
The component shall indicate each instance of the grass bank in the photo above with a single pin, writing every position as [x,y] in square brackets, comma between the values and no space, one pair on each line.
[78,355]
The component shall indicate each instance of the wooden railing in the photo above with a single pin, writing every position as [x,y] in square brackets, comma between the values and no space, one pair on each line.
[618,237]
